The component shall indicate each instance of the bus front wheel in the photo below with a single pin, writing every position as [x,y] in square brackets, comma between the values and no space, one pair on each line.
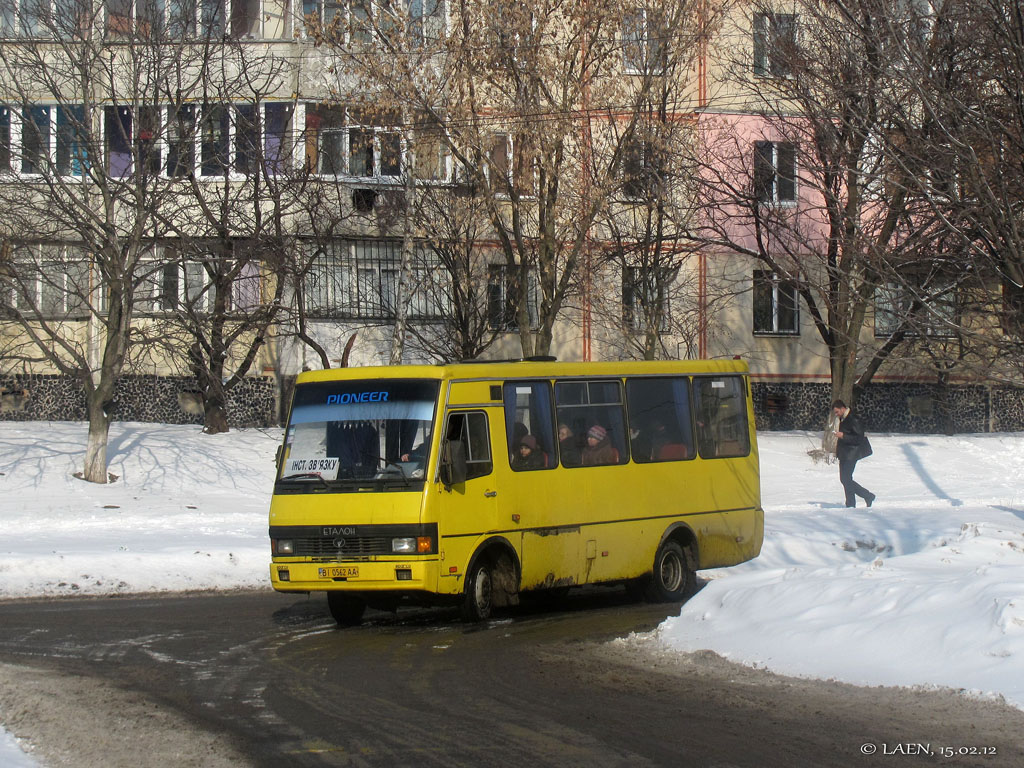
[674,578]
[477,602]
[347,610]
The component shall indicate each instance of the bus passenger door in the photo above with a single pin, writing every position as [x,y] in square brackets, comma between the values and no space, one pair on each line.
[470,509]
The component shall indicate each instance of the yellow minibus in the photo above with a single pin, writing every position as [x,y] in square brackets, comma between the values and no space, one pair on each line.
[473,483]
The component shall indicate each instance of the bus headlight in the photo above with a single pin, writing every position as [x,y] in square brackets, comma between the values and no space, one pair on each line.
[404,546]
[413,545]
[284,547]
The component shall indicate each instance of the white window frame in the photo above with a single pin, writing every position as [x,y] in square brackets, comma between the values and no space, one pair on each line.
[49,155]
[270,21]
[56,263]
[343,166]
[498,290]
[768,29]
[777,286]
[643,44]
[633,311]
[936,319]
[773,198]
[12,24]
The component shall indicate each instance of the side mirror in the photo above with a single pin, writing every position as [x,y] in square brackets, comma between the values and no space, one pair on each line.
[453,468]
[277,456]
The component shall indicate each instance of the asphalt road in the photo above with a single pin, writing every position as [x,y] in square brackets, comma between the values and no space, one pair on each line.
[272,677]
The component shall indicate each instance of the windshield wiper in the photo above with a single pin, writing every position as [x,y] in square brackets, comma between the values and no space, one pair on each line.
[390,463]
[308,476]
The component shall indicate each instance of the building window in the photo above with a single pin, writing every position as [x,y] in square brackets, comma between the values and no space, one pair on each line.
[35,139]
[173,281]
[775,172]
[277,141]
[775,305]
[926,310]
[181,140]
[426,21]
[645,297]
[50,281]
[356,18]
[117,140]
[214,141]
[642,166]
[359,279]
[194,18]
[5,139]
[433,161]
[266,19]
[503,298]
[643,42]
[774,44]
[52,139]
[338,145]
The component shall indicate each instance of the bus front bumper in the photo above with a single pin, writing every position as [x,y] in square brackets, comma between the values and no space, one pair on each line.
[363,576]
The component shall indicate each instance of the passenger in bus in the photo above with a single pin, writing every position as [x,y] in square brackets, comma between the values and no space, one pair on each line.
[355,443]
[599,449]
[416,454]
[528,455]
[568,446]
[650,441]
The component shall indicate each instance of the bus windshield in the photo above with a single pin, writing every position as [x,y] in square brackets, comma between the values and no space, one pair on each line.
[373,434]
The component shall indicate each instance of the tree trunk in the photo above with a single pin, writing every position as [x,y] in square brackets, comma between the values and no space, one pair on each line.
[95,469]
[215,414]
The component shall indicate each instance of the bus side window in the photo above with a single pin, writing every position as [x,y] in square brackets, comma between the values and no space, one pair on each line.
[659,419]
[529,419]
[591,408]
[721,409]
[470,428]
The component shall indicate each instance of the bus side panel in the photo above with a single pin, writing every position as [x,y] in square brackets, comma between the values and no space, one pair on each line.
[633,506]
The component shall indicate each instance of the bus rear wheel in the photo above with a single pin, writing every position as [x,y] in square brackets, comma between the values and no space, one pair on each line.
[347,610]
[674,578]
[477,602]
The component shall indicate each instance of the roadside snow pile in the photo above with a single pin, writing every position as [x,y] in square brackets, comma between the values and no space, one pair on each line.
[188,510]
[924,588]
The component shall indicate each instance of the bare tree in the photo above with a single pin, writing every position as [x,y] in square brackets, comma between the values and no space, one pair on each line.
[532,104]
[76,221]
[965,158]
[221,279]
[811,190]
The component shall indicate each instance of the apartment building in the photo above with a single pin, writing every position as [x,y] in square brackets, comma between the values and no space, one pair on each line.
[264,186]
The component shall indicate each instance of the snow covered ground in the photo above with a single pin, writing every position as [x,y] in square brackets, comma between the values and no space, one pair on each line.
[926,588]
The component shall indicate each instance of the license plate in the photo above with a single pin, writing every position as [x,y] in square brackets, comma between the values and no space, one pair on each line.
[339,572]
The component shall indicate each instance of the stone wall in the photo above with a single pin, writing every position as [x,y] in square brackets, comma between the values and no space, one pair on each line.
[883,407]
[165,399]
[906,408]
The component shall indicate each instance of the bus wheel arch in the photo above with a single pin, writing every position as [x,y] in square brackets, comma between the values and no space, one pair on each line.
[674,571]
[492,580]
